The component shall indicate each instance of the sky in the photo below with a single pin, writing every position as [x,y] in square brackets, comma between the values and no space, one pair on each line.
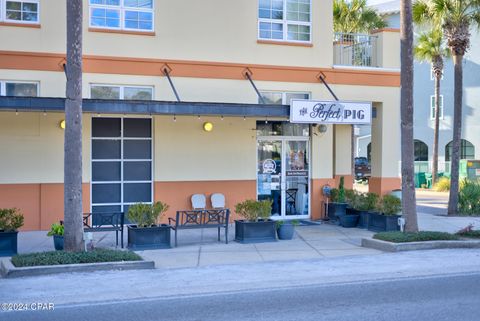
[370,2]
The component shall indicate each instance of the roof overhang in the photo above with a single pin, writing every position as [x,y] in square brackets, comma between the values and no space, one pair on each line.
[44,104]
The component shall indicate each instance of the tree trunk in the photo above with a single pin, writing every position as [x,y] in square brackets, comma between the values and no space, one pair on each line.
[457,135]
[409,207]
[73,219]
[436,130]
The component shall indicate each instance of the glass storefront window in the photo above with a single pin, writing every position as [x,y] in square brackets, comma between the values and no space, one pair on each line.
[279,128]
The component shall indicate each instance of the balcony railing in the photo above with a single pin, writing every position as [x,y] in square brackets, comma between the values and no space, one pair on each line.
[351,49]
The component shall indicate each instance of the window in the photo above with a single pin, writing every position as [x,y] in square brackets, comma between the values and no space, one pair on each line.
[420,151]
[122,169]
[467,150]
[18,88]
[24,11]
[121,92]
[281,98]
[432,107]
[284,20]
[122,14]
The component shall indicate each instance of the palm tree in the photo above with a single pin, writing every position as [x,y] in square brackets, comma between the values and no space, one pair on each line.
[455,17]
[355,17]
[409,206]
[430,48]
[73,130]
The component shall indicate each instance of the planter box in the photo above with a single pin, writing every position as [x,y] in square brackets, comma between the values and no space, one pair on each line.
[58,242]
[8,243]
[383,223]
[148,238]
[349,220]
[336,209]
[363,219]
[286,231]
[255,232]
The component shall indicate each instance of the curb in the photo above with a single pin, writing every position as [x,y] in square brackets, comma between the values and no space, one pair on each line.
[8,270]
[416,246]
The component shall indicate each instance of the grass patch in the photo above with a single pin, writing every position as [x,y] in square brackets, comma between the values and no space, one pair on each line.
[61,257]
[471,234]
[404,237]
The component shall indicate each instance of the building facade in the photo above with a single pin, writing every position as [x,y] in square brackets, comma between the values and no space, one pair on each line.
[144,142]
[424,103]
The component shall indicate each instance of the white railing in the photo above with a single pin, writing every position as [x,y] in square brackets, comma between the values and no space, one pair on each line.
[352,49]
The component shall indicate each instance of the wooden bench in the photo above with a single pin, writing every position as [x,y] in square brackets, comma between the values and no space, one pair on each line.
[105,222]
[194,219]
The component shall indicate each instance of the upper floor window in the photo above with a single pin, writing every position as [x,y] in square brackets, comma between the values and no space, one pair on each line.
[284,20]
[18,88]
[122,14]
[121,92]
[432,107]
[282,98]
[24,11]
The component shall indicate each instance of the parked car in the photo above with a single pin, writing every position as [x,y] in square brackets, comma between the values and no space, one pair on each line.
[363,170]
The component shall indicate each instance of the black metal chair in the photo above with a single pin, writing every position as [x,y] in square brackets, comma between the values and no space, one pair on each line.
[105,222]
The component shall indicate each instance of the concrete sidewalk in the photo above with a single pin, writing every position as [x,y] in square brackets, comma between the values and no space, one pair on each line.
[201,248]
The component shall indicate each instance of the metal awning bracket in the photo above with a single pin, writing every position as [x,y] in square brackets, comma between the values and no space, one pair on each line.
[166,71]
[247,73]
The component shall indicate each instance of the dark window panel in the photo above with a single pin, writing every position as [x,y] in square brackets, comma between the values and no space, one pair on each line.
[137,192]
[106,193]
[137,127]
[105,149]
[106,171]
[137,171]
[106,127]
[137,149]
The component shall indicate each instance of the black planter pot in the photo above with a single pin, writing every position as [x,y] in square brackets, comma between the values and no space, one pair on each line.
[8,243]
[336,209]
[148,238]
[255,232]
[363,219]
[285,231]
[383,223]
[58,242]
[349,220]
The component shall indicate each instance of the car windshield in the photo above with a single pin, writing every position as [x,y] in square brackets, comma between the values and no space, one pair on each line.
[361,161]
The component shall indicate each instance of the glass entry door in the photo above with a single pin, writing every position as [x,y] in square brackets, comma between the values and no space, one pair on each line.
[283,176]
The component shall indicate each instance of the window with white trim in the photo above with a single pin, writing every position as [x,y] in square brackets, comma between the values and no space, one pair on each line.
[136,15]
[20,11]
[432,107]
[121,92]
[19,88]
[282,98]
[284,20]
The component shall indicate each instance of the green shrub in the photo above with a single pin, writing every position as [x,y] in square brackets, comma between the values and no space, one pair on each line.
[281,222]
[341,190]
[370,202]
[351,197]
[253,210]
[62,257]
[390,205]
[472,234]
[10,219]
[334,195]
[145,215]
[56,229]
[442,185]
[403,237]
[469,198]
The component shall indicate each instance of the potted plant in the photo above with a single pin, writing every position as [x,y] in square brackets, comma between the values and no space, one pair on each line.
[286,229]
[145,232]
[387,220]
[257,225]
[10,221]
[367,203]
[349,220]
[57,230]
[337,206]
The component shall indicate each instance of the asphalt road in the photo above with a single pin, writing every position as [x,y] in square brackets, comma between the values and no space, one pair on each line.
[432,202]
[438,298]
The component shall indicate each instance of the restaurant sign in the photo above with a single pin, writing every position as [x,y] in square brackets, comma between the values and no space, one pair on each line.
[330,112]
